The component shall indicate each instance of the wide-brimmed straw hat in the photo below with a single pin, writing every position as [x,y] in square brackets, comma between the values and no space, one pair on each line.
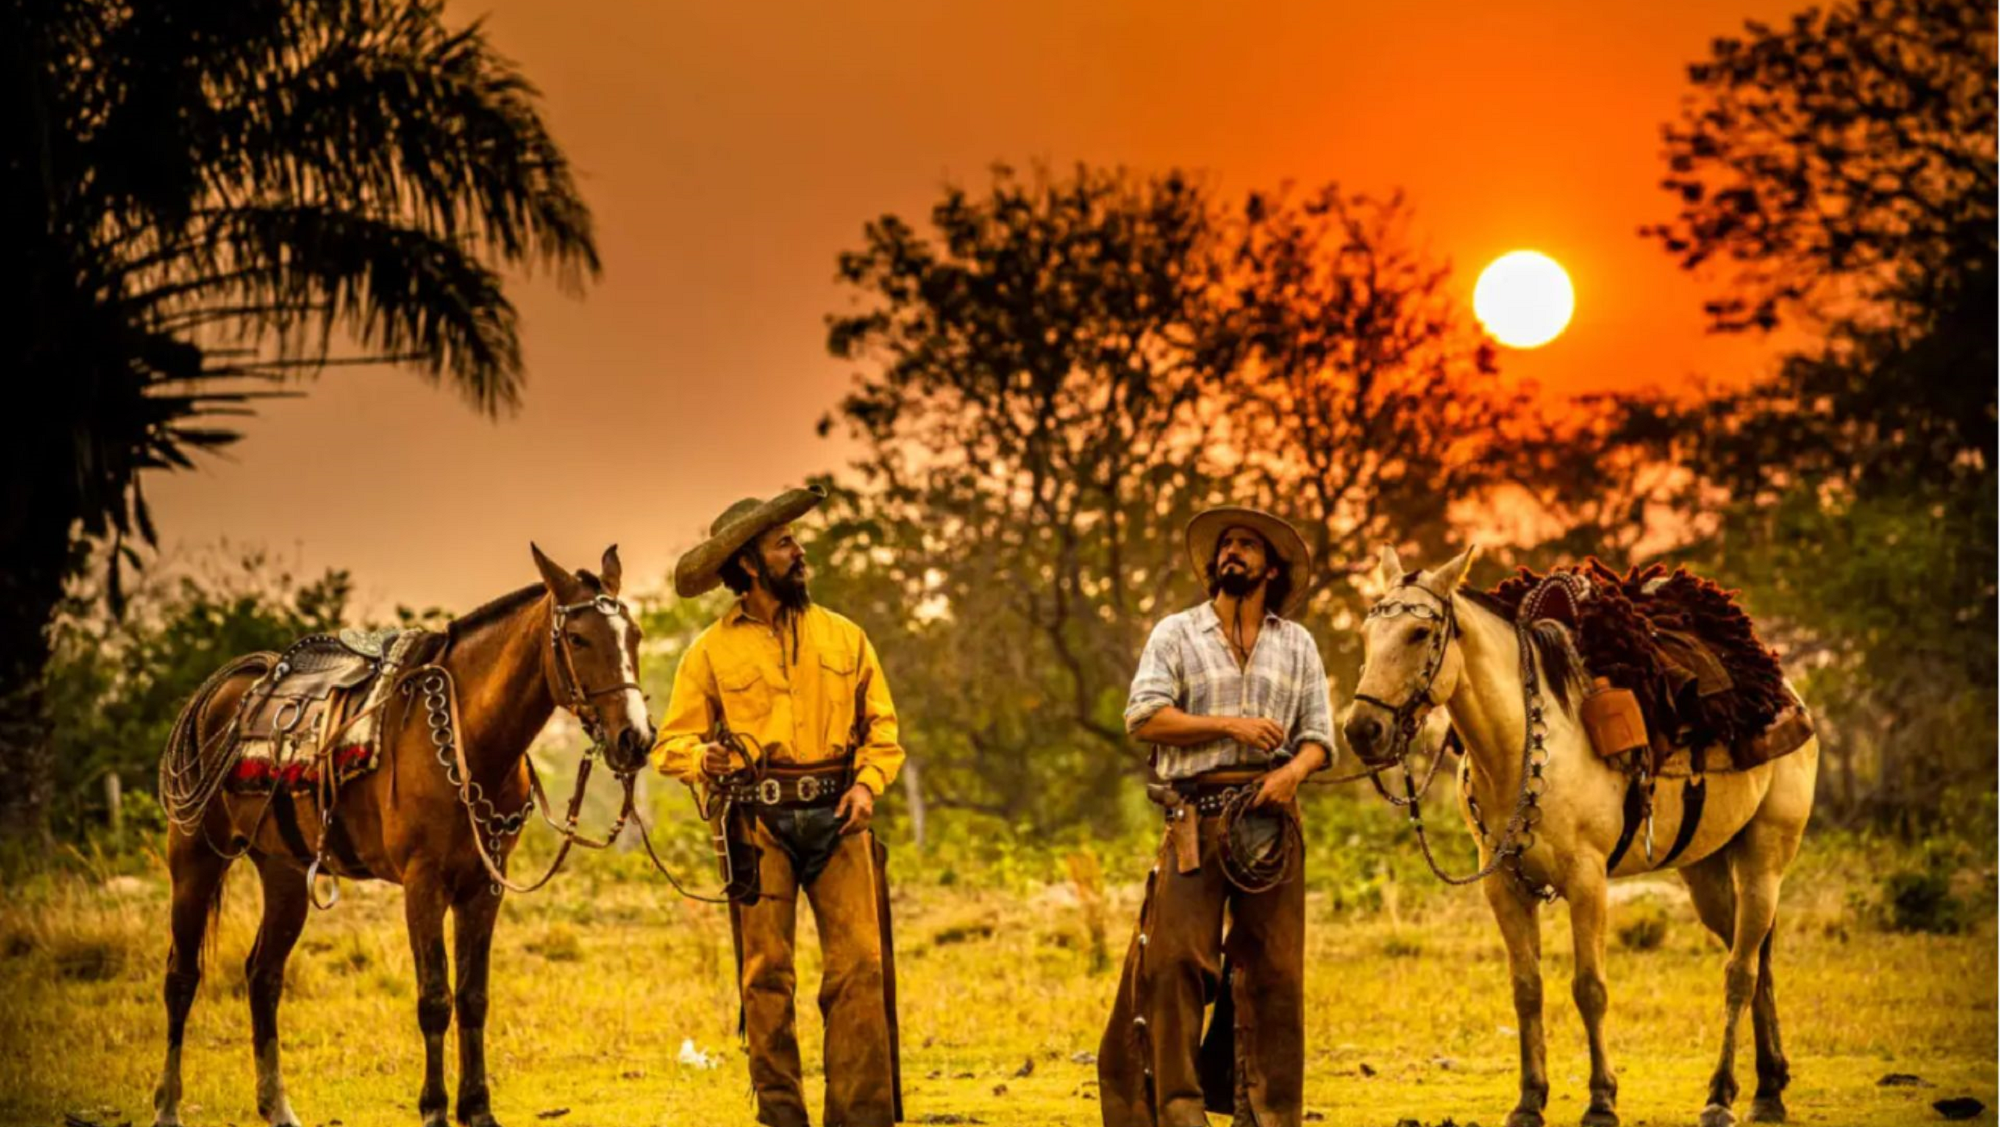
[1207,527]
[699,571]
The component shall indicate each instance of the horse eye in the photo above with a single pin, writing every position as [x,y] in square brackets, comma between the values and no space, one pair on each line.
[579,641]
[1421,633]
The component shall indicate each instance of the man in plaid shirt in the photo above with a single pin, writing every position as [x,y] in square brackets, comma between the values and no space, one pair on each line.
[1233,697]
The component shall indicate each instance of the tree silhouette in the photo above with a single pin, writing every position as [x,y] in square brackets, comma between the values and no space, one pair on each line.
[1843,159]
[1843,165]
[211,199]
[1056,376]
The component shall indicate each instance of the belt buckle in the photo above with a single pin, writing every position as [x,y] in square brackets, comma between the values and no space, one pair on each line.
[808,788]
[769,791]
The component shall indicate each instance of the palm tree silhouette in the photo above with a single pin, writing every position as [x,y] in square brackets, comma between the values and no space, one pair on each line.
[205,201]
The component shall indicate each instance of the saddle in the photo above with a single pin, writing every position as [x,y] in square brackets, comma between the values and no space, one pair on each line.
[315,708]
[1683,647]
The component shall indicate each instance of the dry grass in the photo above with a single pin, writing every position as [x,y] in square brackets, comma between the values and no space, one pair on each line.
[598,981]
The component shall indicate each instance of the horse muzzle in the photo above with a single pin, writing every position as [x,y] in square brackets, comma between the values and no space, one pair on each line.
[627,753]
[1369,737]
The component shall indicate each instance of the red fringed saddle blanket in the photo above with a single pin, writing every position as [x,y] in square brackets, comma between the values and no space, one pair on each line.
[259,771]
[1683,646]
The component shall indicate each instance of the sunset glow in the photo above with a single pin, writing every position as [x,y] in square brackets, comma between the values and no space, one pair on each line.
[1524,299]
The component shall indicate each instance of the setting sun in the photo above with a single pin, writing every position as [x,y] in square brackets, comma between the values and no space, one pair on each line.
[1524,299]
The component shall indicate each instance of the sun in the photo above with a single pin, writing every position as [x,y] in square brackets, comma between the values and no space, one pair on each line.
[1524,299]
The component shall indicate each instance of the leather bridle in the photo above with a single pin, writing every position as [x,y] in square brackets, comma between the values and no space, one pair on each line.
[1407,717]
[569,684]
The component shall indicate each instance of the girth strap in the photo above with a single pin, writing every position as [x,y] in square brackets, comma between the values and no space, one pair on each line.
[285,813]
[1694,795]
[342,847]
[1635,812]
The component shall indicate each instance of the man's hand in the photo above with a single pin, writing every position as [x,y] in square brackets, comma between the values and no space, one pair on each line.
[1255,731]
[856,809]
[1281,785]
[717,761]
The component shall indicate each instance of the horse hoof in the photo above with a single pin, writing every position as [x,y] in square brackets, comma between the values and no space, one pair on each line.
[483,1119]
[1767,1109]
[1523,1118]
[1716,1115]
[1600,1117]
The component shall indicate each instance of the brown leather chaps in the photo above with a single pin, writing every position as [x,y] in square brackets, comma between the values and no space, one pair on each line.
[1155,1068]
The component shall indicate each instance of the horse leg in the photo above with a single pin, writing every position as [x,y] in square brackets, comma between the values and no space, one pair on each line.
[474,914]
[1774,1072]
[285,906]
[1715,902]
[1756,908]
[1714,895]
[1587,919]
[198,873]
[423,913]
[1520,928]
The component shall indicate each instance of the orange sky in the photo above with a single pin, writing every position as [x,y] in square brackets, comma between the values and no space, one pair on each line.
[729,154]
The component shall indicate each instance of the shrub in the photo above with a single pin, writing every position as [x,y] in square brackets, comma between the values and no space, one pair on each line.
[88,958]
[1922,900]
[1644,927]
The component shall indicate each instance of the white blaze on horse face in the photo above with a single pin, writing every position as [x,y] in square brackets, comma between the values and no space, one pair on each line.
[628,672]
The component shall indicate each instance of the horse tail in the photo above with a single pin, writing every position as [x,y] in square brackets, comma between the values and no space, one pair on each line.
[210,934]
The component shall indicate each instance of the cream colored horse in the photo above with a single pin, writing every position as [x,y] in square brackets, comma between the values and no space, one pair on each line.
[1746,836]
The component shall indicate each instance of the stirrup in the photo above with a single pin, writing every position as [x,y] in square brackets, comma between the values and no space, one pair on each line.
[312,885]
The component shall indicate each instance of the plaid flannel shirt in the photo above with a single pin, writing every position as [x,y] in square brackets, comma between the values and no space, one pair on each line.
[1188,664]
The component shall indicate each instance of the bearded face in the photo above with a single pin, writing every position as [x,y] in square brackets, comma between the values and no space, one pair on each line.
[1242,563]
[787,586]
[780,565]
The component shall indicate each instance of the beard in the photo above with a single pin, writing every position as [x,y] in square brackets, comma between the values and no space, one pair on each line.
[1234,579]
[790,588]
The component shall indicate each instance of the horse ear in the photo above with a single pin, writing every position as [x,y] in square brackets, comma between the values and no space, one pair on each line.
[1389,570]
[611,571]
[1446,578]
[560,583]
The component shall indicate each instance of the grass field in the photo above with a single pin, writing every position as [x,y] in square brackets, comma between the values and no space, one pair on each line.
[598,982]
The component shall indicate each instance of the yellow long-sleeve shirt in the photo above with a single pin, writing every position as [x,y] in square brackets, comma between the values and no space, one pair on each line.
[799,705]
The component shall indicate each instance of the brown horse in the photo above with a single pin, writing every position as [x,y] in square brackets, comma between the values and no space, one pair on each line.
[498,674]
[1430,642]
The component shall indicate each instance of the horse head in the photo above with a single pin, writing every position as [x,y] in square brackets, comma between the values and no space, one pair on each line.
[1411,660]
[592,658]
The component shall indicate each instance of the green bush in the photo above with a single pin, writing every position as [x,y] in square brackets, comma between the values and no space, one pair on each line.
[1922,900]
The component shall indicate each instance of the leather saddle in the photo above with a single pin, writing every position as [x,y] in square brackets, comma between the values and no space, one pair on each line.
[308,689]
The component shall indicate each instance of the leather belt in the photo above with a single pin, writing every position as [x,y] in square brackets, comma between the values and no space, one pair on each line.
[1209,792]
[792,785]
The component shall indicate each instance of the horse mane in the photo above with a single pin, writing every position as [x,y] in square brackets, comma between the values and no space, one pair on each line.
[1562,666]
[493,610]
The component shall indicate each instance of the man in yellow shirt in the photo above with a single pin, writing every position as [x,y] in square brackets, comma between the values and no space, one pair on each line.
[798,689]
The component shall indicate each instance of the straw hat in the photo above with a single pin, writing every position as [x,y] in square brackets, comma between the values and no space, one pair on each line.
[1207,527]
[699,571]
